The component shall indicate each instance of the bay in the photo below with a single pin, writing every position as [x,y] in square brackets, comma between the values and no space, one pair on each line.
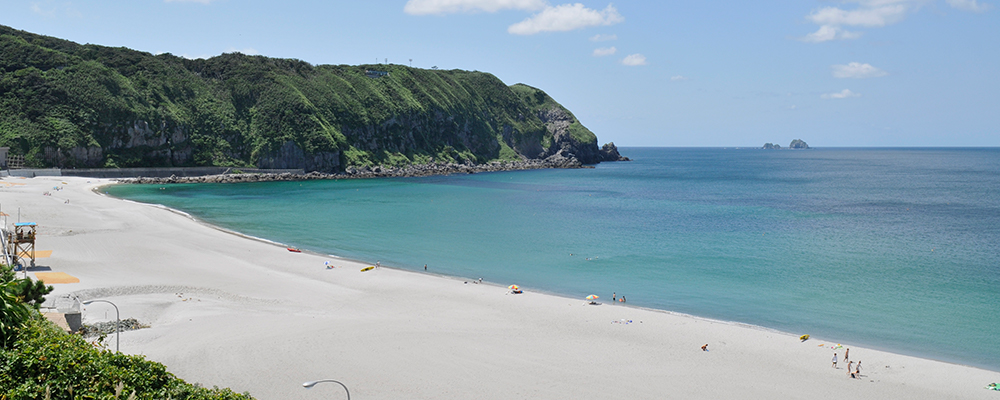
[889,248]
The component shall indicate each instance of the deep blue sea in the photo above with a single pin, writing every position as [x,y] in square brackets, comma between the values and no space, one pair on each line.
[897,249]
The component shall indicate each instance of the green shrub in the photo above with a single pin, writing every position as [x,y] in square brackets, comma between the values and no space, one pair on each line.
[43,358]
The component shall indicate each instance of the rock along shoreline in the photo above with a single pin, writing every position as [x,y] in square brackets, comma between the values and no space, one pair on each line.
[367,172]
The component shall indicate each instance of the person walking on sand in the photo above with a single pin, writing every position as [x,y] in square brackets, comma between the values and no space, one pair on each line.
[850,371]
[857,370]
[835,360]
[847,354]
[705,347]
[378,264]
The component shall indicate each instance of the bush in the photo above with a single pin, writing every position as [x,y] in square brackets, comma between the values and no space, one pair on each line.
[43,358]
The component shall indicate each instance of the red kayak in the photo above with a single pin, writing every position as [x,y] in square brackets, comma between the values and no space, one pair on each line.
[294,250]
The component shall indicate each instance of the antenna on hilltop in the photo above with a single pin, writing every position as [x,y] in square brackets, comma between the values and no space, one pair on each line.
[411,63]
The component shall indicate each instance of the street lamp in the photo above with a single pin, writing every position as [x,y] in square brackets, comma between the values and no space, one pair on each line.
[310,384]
[118,320]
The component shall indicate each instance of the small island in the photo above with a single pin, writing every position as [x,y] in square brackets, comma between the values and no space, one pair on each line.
[796,144]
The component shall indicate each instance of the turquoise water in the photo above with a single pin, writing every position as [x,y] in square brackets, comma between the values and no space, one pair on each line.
[892,248]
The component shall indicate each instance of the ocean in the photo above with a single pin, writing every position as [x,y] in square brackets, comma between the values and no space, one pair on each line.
[896,249]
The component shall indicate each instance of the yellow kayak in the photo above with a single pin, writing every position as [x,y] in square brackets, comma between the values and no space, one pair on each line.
[367,268]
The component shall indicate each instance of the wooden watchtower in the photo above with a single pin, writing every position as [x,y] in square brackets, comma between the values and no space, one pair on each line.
[21,241]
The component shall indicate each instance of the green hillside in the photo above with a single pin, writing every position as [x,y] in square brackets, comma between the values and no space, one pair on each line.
[69,105]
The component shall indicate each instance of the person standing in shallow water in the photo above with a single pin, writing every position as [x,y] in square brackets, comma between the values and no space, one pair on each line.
[614,296]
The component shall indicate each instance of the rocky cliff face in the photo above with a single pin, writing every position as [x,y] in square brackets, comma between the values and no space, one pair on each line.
[159,144]
[291,156]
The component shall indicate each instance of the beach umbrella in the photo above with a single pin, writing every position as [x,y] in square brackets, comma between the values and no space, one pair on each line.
[593,297]
[514,287]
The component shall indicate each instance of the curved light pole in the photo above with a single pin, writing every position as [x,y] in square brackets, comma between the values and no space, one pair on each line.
[310,384]
[118,320]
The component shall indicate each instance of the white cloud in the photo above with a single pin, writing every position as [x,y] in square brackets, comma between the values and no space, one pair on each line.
[250,51]
[566,17]
[633,60]
[867,13]
[679,78]
[603,38]
[45,12]
[189,1]
[826,32]
[843,94]
[190,57]
[52,9]
[605,51]
[871,14]
[969,5]
[857,70]
[424,7]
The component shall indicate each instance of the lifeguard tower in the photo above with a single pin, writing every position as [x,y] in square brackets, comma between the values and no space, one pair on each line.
[21,243]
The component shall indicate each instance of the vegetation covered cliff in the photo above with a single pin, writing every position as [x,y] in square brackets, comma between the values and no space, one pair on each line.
[64,104]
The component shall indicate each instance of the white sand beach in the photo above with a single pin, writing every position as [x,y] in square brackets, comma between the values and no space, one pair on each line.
[237,312]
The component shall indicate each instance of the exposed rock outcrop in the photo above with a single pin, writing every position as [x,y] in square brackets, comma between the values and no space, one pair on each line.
[609,152]
[291,156]
[798,144]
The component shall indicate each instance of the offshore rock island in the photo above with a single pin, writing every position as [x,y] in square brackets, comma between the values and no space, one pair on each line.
[795,144]
[68,105]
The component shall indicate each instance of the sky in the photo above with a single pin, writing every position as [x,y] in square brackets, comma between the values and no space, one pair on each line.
[870,73]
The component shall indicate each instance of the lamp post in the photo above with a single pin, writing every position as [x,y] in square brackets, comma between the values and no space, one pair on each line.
[310,384]
[118,321]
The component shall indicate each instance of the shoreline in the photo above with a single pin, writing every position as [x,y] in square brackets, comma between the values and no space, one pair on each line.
[416,334]
[748,325]
[409,171]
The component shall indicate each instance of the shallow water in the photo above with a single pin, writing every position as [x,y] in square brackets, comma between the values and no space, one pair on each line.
[890,248]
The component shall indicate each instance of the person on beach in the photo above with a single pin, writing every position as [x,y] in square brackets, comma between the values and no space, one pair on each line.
[623,298]
[850,372]
[835,360]
[378,264]
[847,354]
[705,347]
[857,370]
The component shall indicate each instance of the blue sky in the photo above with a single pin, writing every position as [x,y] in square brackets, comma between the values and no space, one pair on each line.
[639,73]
